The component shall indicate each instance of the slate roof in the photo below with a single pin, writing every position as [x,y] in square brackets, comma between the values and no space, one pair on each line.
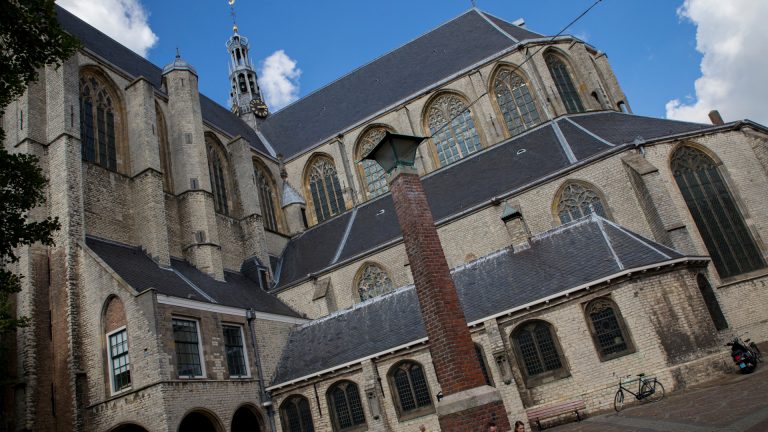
[503,168]
[136,66]
[570,256]
[141,272]
[432,57]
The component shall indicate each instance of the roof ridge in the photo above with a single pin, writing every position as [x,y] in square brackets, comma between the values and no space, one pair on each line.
[637,238]
[317,90]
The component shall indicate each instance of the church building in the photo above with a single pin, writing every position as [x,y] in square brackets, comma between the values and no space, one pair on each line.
[237,269]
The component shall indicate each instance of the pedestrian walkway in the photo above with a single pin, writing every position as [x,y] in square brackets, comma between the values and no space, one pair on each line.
[734,403]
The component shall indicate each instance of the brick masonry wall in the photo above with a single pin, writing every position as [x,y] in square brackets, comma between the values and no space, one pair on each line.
[107,200]
[272,337]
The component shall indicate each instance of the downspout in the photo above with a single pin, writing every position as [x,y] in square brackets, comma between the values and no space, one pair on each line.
[266,399]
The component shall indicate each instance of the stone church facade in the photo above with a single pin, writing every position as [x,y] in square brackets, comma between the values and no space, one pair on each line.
[234,269]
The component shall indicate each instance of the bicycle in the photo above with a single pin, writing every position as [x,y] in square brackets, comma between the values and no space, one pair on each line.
[648,389]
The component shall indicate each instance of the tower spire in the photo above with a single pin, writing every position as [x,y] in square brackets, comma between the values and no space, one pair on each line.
[245,95]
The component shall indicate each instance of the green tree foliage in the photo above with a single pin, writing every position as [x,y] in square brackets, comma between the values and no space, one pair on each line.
[30,38]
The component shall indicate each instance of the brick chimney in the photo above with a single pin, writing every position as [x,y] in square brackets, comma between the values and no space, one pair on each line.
[468,404]
[518,231]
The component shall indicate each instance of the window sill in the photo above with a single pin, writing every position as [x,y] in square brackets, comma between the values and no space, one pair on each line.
[414,414]
[744,277]
[121,391]
[545,378]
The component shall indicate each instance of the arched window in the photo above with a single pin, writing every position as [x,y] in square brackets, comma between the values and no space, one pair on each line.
[267,199]
[716,214]
[515,101]
[372,173]
[345,407]
[710,299]
[576,200]
[608,329]
[538,353]
[100,125]
[165,152]
[483,365]
[564,83]
[295,415]
[323,185]
[373,281]
[118,358]
[410,390]
[449,122]
[217,169]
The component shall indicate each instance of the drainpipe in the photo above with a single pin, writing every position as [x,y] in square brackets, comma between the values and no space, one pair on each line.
[266,399]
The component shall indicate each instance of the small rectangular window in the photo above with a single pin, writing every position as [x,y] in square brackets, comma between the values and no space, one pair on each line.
[185,337]
[119,361]
[188,138]
[236,356]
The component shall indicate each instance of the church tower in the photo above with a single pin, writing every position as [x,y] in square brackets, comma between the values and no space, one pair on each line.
[245,97]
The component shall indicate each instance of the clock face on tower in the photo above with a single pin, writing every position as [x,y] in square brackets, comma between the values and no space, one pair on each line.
[259,108]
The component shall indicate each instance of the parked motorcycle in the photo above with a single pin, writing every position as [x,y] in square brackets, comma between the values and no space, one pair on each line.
[745,354]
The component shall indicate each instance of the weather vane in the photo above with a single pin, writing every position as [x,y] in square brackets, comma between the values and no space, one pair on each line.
[232,12]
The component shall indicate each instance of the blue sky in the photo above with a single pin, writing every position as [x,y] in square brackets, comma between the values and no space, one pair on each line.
[651,46]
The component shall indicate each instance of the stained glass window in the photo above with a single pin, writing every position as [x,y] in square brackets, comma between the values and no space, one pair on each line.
[577,200]
[264,186]
[325,189]
[515,101]
[537,348]
[564,83]
[346,408]
[218,174]
[296,415]
[411,388]
[716,214]
[120,361]
[452,128]
[185,338]
[374,281]
[98,123]
[607,328]
[375,178]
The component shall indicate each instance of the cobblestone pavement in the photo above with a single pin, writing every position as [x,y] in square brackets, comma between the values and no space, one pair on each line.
[734,403]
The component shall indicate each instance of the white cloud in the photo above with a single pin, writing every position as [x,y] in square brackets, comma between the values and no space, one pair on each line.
[279,80]
[123,20]
[732,36]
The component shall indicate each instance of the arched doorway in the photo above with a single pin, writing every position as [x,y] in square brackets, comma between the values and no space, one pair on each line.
[198,421]
[129,427]
[247,419]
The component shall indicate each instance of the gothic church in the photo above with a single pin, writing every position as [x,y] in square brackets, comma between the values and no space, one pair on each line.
[231,269]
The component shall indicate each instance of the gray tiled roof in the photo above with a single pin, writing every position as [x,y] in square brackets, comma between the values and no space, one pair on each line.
[136,66]
[436,55]
[565,258]
[141,272]
[498,170]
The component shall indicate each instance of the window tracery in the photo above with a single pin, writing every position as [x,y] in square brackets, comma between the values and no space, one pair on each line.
[296,415]
[373,281]
[716,213]
[608,329]
[267,199]
[452,128]
[411,390]
[538,353]
[375,178]
[515,101]
[217,170]
[564,83]
[577,200]
[325,189]
[99,122]
[345,406]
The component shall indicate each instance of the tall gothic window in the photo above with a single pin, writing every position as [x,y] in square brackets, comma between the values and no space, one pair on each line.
[537,351]
[577,200]
[345,407]
[608,329]
[710,300]
[375,178]
[373,281]
[296,415]
[165,153]
[411,390]
[568,93]
[99,122]
[325,189]
[217,169]
[515,101]
[450,123]
[483,365]
[266,188]
[716,214]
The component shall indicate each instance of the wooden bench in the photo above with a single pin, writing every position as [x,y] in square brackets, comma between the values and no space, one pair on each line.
[538,414]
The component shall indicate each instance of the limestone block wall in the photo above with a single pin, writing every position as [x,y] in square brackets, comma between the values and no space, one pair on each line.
[175,241]
[275,243]
[271,336]
[107,204]
[231,241]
